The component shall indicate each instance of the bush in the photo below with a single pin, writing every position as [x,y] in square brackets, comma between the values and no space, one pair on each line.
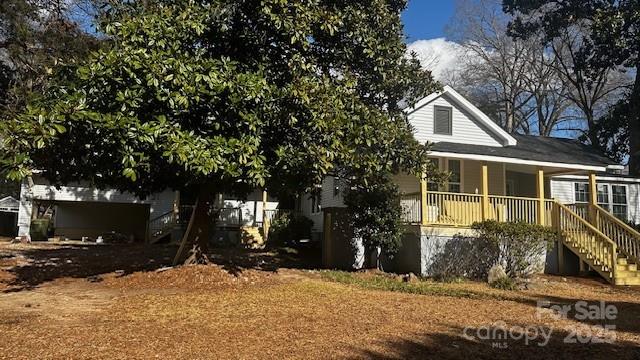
[505,283]
[518,247]
[289,228]
[463,257]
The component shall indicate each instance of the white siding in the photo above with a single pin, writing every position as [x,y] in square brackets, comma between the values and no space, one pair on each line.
[466,129]
[634,203]
[563,190]
[329,199]
[316,217]
[159,203]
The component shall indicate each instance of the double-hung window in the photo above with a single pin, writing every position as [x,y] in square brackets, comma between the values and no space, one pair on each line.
[603,196]
[610,197]
[619,204]
[316,200]
[581,192]
[455,178]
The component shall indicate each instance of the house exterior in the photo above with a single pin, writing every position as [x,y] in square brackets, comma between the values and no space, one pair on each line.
[79,210]
[503,177]
[618,193]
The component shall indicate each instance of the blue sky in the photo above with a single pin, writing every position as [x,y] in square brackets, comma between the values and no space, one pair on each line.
[425,19]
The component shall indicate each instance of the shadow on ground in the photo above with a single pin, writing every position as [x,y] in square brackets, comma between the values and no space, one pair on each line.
[44,262]
[493,342]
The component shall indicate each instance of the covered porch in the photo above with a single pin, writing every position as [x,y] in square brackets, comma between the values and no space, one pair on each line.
[479,190]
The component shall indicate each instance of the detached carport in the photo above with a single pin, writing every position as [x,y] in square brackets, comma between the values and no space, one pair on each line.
[9,208]
[75,219]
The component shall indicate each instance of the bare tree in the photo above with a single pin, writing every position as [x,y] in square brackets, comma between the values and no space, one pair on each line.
[499,67]
[591,91]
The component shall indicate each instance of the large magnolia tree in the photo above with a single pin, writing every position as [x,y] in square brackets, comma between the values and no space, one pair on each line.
[228,96]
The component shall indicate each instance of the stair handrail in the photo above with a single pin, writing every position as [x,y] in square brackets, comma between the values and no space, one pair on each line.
[602,237]
[158,220]
[629,246]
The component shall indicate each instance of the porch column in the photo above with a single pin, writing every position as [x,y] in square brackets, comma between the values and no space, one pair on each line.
[540,196]
[423,199]
[593,199]
[485,191]
[265,222]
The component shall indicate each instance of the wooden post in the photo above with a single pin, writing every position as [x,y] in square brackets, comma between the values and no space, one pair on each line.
[560,256]
[593,199]
[265,221]
[326,249]
[423,199]
[485,191]
[540,195]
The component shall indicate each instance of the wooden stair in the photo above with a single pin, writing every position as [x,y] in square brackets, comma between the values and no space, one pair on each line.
[251,237]
[603,249]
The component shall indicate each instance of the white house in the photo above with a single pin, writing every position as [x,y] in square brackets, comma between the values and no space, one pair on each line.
[503,177]
[78,210]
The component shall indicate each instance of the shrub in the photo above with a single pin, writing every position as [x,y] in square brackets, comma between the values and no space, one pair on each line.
[463,257]
[289,228]
[505,283]
[374,214]
[518,247]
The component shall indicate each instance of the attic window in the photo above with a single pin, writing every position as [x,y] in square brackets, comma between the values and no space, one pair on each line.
[442,124]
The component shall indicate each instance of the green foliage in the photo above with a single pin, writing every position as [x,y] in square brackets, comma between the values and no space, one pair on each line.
[463,257]
[505,283]
[518,246]
[289,228]
[34,37]
[375,214]
[391,282]
[610,40]
[233,94]
[612,131]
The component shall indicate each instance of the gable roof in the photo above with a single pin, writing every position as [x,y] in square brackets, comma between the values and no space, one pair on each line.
[482,118]
[550,150]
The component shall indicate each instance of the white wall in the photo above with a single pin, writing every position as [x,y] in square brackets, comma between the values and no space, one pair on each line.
[159,203]
[329,199]
[563,190]
[465,130]
[316,217]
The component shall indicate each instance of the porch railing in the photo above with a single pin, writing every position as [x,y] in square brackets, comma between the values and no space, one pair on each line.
[459,209]
[626,238]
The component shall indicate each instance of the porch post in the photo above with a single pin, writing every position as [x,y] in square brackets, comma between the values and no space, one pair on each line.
[265,222]
[593,199]
[423,199]
[485,191]
[540,195]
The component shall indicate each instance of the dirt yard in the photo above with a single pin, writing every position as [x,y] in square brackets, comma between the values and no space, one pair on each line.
[111,302]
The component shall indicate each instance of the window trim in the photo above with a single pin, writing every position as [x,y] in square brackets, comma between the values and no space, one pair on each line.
[610,203]
[461,182]
[626,195]
[316,203]
[449,109]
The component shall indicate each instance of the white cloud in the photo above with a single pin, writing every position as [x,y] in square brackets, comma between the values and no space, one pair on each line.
[441,56]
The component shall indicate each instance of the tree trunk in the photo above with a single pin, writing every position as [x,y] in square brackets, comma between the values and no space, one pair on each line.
[634,127]
[201,224]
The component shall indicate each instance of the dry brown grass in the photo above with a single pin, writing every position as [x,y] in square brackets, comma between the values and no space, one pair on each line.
[205,312]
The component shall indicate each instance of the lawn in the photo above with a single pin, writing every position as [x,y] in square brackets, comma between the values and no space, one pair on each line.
[108,302]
